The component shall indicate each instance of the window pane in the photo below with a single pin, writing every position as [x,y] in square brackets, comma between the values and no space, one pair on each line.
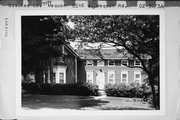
[111,77]
[124,75]
[124,62]
[61,77]
[137,62]
[111,62]
[137,76]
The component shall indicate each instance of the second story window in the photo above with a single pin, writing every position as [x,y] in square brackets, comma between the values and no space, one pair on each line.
[124,62]
[89,62]
[111,63]
[137,63]
[100,63]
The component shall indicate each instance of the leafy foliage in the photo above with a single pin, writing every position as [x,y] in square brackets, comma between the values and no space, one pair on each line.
[42,38]
[137,34]
[83,89]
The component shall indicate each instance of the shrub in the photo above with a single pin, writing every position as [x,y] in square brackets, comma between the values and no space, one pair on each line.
[32,88]
[124,90]
[84,89]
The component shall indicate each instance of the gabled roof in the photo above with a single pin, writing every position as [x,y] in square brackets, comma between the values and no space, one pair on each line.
[70,49]
[106,54]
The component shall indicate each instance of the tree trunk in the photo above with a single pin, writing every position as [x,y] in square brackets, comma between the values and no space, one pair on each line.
[51,71]
[39,76]
[154,99]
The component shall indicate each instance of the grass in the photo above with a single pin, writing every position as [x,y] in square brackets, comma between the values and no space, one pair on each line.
[36,102]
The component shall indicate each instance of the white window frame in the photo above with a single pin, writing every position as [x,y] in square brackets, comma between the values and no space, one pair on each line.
[113,61]
[124,60]
[98,61]
[135,63]
[92,75]
[135,73]
[61,70]
[63,78]
[90,61]
[124,72]
[109,73]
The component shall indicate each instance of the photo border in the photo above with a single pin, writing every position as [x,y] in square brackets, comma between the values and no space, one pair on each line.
[60,113]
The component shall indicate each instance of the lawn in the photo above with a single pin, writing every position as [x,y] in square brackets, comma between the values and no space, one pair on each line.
[35,102]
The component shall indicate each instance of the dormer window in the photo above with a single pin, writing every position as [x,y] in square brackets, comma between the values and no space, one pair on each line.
[137,63]
[124,62]
[89,62]
[100,63]
[111,63]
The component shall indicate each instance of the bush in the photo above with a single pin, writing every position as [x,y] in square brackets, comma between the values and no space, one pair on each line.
[84,89]
[31,88]
[125,90]
[148,94]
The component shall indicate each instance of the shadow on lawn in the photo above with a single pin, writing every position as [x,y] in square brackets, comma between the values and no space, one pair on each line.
[60,102]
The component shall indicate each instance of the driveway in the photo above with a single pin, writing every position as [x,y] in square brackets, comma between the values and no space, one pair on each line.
[35,102]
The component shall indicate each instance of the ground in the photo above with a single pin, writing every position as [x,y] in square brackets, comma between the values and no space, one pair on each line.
[37,102]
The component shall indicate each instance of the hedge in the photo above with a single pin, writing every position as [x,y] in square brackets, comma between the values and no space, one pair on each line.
[84,89]
[128,90]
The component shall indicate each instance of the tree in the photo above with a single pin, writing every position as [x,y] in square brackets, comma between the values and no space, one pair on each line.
[41,38]
[137,34]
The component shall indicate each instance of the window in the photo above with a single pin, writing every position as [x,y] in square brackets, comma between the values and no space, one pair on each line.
[61,77]
[54,78]
[111,63]
[137,77]
[89,77]
[100,63]
[137,63]
[89,62]
[124,62]
[124,77]
[111,77]
[61,59]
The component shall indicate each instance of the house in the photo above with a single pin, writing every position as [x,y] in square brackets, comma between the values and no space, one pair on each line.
[96,66]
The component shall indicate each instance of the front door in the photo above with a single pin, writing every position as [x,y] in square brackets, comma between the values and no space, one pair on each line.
[100,80]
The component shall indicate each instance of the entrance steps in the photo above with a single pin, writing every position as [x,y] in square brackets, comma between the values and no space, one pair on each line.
[102,92]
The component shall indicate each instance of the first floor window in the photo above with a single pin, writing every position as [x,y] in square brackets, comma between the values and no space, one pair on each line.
[137,77]
[89,77]
[124,77]
[111,77]
[61,77]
